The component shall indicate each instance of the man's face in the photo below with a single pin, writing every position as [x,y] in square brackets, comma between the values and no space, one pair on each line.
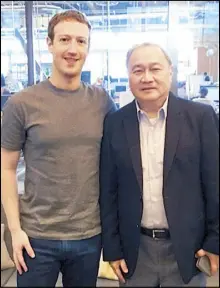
[150,74]
[69,47]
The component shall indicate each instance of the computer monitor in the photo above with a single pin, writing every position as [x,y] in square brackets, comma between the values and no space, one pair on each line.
[120,88]
[114,80]
[125,80]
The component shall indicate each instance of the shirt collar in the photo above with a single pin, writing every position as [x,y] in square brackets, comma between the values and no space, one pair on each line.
[163,108]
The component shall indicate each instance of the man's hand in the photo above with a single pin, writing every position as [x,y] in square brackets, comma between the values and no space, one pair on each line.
[213,258]
[20,241]
[117,266]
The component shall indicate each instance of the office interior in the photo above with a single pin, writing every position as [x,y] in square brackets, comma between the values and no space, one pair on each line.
[187,30]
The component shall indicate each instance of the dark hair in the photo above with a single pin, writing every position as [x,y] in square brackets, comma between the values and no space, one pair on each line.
[146,44]
[66,16]
[203,92]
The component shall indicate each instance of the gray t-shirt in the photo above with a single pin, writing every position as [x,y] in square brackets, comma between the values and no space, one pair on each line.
[60,133]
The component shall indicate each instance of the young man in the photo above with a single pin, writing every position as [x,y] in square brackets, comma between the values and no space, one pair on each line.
[58,124]
[159,178]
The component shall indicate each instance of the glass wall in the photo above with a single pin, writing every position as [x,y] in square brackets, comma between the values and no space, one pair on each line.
[13,56]
[188,30]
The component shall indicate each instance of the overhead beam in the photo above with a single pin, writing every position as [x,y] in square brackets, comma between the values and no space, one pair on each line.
[90,4]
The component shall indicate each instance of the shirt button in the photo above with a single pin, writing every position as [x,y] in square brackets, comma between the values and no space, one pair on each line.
[137,226]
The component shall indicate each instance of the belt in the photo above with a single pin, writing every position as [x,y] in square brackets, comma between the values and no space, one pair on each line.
[156,233]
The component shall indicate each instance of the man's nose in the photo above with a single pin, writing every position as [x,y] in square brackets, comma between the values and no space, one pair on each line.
[147,76]
[73,47]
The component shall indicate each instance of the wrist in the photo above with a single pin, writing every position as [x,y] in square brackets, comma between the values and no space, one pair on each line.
[14,230]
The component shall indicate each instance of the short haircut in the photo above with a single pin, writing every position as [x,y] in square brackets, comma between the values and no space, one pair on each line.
[146,44]
[204,91]
[66,16]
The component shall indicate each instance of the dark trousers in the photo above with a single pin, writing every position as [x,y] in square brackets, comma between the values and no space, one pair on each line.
[77,260]
[157,266]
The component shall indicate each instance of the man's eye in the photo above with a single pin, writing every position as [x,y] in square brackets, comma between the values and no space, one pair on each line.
[155,69]
[137,71]
[82,41]
[64,40]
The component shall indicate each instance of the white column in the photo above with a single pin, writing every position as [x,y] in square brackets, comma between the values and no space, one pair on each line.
[173,18]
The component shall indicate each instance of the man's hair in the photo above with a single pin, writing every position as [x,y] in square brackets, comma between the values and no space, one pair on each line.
[66,16]
[203,92]
[146,44]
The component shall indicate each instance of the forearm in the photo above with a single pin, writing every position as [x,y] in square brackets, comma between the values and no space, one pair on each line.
[10,198]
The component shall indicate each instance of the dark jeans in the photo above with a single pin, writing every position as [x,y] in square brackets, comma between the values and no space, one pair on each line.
[77,260]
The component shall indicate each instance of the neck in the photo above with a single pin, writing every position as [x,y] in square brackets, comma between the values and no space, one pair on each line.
[151,108]
[64,82]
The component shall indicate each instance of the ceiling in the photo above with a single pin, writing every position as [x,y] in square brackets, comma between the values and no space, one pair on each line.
[203,13]
[92,7]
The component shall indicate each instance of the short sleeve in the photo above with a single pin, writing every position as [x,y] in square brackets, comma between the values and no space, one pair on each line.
[13,125]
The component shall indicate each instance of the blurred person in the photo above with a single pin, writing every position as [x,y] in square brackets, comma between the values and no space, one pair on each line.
[11,82]
[206,77]
[203,98]
[99,81]
[58,125]
[204,92]
[4,89]
[47,73]
[2,82]
[159,180]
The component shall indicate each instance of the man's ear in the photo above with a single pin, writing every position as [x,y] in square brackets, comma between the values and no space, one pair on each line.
[49,44]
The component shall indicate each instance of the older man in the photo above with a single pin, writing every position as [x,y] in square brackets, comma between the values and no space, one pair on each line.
[159,180]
